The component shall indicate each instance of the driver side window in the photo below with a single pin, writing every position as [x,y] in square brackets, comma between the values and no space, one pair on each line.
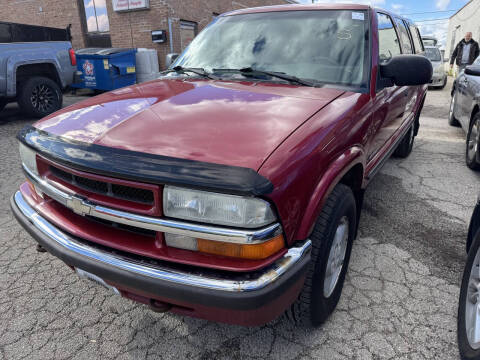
[389,45]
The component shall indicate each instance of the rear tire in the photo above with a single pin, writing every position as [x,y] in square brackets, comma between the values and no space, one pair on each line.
[472,151]
[468,350]
[39,97]
[444,84]
[3,103]
[406,144]
[332,239]
[452,121]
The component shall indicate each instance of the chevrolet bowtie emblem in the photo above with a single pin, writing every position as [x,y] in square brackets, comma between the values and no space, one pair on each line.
[78,206]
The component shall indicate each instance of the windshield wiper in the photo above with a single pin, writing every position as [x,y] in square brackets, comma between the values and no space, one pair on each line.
[249,71]
[183,70]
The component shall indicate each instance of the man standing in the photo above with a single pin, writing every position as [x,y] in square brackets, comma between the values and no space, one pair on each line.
[465,52]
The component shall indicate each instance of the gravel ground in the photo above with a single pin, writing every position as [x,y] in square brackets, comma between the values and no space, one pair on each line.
[399,301]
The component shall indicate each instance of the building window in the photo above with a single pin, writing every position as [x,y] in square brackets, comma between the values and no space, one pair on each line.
[96,16]
[188,31]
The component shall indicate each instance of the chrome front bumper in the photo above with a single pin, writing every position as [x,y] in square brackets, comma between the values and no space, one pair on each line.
[115,267]
[216,233]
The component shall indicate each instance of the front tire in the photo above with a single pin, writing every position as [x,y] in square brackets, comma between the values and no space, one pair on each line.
[469,304]
[332,239]
[39,97]
[452,121]
[472,151]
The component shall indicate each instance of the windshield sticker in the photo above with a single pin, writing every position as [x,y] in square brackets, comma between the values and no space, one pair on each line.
[358,16]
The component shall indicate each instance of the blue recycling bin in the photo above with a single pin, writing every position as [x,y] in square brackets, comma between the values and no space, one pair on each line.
[105,69]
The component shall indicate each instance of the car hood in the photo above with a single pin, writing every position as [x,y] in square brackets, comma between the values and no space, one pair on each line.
[233,123]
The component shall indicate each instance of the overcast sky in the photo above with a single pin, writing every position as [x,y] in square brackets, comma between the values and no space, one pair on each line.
[431,21]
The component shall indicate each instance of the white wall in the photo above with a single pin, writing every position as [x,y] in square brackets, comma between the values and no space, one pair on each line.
[467,19]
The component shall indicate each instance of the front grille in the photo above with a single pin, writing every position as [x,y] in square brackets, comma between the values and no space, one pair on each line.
[104,188]
[133,229]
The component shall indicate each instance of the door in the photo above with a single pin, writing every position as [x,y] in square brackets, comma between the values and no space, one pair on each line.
[461,104]
[188,31]
[470,88]
[389,103]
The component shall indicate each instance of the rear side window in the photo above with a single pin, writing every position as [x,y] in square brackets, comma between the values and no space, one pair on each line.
[388,43]
[417,40]
[404,37]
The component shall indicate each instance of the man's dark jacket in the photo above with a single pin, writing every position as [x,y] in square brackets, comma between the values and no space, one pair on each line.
[458,52]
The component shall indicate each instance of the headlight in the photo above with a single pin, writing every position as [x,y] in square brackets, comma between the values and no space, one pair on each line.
[214,208]
[29,158]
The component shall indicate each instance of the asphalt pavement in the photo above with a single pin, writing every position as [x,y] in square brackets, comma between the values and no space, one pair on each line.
[399,301]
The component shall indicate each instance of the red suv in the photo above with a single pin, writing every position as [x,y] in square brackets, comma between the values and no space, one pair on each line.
[230,189]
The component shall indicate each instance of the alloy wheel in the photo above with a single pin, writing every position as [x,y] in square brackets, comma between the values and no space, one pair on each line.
[336,257]
[43,98]
[472,308]
[474,141]
[452,106]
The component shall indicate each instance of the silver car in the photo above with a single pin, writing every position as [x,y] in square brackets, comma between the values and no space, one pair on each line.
[439,77]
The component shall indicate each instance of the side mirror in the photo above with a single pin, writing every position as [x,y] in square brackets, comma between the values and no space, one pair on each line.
[406,70]
[473,70]
[170,58]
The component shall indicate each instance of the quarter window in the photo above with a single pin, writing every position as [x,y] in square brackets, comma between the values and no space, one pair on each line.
[389,45]
[404,37]
[417,40]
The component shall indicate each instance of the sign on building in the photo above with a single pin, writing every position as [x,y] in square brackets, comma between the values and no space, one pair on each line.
[130,5]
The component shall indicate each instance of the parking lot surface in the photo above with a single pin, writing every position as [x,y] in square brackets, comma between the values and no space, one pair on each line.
[399,301]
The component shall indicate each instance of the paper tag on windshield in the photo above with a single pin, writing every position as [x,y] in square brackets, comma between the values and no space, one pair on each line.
[358,16]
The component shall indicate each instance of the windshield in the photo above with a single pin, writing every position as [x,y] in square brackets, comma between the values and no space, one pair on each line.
[433,54]
[327,46]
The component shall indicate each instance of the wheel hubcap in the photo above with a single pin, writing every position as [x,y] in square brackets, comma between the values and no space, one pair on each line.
[42,98]
[336,257]
[474,140]
[472,308]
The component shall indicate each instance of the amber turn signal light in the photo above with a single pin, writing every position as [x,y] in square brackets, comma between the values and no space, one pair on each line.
[243,251]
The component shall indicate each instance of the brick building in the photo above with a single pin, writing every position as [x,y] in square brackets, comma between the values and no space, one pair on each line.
[125,23]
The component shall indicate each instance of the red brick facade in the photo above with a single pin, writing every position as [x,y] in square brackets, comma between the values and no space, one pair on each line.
[127,29]
[53,13]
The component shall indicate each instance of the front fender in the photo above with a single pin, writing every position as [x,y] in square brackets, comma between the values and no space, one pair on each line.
[331,177]
[28,58]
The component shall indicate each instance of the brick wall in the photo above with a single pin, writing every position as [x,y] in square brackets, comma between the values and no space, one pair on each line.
[53,13]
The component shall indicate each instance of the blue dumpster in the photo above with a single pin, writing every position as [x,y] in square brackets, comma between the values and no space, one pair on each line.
[105,69]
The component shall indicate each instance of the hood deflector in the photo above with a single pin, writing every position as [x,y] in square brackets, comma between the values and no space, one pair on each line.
[143,167]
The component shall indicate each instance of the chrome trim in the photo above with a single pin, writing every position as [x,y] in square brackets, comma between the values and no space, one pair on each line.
[271,274]
[216,233]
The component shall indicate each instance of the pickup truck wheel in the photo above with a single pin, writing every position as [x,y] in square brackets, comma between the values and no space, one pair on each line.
[472,153]
[406,144]
[39,97]
[452,121]
[332,239]
[468,319]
